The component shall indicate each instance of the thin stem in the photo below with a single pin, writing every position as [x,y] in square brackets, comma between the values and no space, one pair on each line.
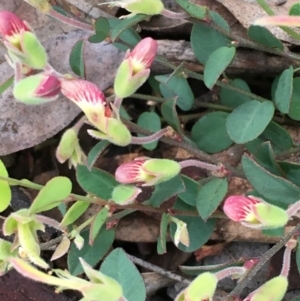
[286,262]
[49,221]
[158,269]
[70,21]
[18,72]
[229,272]
[154,137]
[53,242]
[80,123]
[148,97]
[293,209]
[196,163]
[118,102]
[174,15]
[264,259]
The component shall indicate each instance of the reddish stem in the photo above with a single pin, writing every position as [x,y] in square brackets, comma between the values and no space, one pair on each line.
[286,262]
[148,139]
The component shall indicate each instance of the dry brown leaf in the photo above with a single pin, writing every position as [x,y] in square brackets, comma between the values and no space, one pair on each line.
[24,126]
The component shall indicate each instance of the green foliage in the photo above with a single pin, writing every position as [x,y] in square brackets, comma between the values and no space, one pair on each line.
[162,239]
[294,112]
[168,111]
[74,212]
[91,254]
[119,267]
[189,196]
[196,11]
[76,59]
[295,10]
[96,152]
[4,188]
[98,222]
[102,29]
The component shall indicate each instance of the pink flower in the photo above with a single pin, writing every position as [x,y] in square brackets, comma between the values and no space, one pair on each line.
[143,55]
[11,27]
[49,87]
[148,171]
[89,98]
[254,212]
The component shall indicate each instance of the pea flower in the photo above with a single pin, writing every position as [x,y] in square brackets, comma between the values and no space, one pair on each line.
[254,212]
[22,44]
[147,171]
[135,68]
[146,7]
[37,89]
[92,102]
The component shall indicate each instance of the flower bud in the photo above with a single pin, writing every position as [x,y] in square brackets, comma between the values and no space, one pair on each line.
[273,289]
[37,89]
[148,171]
[202,288]
[69,149]
[125,194]
[146,7]
[254,212]
[134,70]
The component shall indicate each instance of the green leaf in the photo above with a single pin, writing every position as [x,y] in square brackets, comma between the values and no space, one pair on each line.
[278,136]
[263,36]
[168,111]
[98,222]
[55,191]
[295,10]
[266,158]
[213,40]
[215,65]
[96,152]
[210,196]
[129,35]
[176,86]
[249,120]
[162,239]
[198,230]
[197,11]
[291,171]
[294,112]
[5,191]
[149,121]
[232,98]
[6,84]
[298,254]
[189,196]
[119,267]
[272,187]
[96,181]
[76,59]
[209,133]
[166,190]
[279,232]
[102,29]
[91,254]
[219,20]
[125,24]
[283,92]
[74,212]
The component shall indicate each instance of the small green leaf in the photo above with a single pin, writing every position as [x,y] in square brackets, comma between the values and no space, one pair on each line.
[232,98]
[294,112]
[96,152]
[168,111]
[6,84]
[249,120]
[295,10]
[284,90]
[291,171]
[189,196]
[76,59]
[149,121]
[209,133]
[74,212]
[279,232]
[199,231]
[91,254]
[176,86]
[219,20]
[55,191]
[119,267]
[96,181]
[274,188]
[197,11]
[210,196]
[262,35]
[162,239]
[213,40]
[166,190]
[5,191]
[125,24]
[102,29]
[217,62]
[98,222]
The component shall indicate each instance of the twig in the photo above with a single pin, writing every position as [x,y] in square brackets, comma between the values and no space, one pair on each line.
[49,244]
[158,269]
